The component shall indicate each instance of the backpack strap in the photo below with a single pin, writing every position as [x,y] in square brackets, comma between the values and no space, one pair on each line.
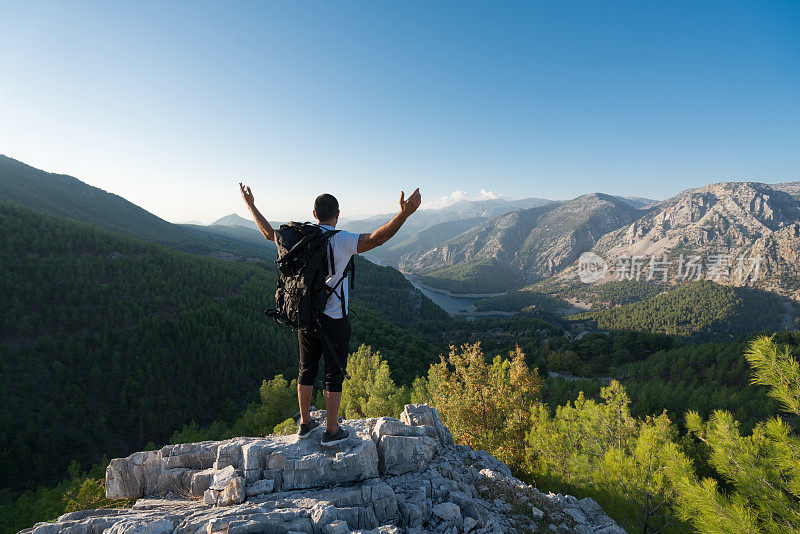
[348,270]
[352,271]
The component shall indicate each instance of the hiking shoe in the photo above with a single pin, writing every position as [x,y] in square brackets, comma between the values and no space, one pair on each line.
[329,440]
[305,430]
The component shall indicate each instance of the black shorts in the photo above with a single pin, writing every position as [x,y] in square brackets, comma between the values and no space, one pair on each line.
[311,350]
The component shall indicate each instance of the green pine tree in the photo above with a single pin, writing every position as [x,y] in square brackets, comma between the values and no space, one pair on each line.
[761,472]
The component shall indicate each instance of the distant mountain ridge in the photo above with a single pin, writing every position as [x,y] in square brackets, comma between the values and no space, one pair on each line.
[66,196]
[793,188]
[638,202]
[739,219]
[537,242]
[515,240]
[234,220]
[425,218]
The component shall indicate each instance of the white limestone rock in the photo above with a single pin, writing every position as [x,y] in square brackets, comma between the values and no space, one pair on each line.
[134,476]
[201,481]
[422,414]
[260,487]
[401,454]
[391,476]
[448,511]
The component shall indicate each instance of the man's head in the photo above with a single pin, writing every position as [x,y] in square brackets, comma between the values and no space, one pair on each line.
[326,209]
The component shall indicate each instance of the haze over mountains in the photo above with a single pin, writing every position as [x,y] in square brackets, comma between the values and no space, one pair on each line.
[537,241]
[430,227]
[234,220]
[65,196]
[500,242]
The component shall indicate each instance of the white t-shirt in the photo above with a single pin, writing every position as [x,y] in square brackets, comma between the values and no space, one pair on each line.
[344,245]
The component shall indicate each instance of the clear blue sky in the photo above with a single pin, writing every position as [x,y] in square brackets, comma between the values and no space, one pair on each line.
[170,103]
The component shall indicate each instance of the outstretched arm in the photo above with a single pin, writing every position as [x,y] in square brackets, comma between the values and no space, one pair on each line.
[383,234]
[262,223]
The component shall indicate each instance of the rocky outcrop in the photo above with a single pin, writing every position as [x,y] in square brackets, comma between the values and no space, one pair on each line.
[728,220]
[391,476]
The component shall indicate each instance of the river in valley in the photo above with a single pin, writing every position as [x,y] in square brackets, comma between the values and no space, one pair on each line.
[453,304]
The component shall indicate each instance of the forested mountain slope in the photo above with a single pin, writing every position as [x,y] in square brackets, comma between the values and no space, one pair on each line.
[65,196]
[109,342]
[701,310]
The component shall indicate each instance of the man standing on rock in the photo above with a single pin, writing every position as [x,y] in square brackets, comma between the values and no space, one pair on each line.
[334,319]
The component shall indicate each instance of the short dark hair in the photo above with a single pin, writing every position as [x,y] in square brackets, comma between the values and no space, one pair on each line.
[326,206]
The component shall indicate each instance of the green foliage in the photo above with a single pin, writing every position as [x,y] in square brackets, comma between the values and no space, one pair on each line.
[599,446]
[535,335]
[476,276]
[774,366]
[192,432]
[700,377]
[486,406]
[518,300]
[605,295]
[409,353]
[385,291]
[285,428]
[761,471]
[109,342]
[597,353]
[278,401]
[621,292]
[702,309]
[419,391]
[370,390]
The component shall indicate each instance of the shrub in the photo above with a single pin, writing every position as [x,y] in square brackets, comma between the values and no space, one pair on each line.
[370,390]
[486,406]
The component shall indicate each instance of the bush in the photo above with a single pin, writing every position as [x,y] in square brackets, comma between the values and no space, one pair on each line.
[286,428]
[600,447]
[486,406]
[370,390]
[278,401]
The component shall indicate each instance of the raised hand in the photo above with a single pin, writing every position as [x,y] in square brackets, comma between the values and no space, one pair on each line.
[247,195]
[407,207]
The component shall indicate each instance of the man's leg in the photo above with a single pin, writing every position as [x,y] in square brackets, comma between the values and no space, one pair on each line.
[310,352]
[339,333]
[304,399]
[332,402]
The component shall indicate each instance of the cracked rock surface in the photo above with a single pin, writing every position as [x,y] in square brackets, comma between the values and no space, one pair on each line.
[391,476]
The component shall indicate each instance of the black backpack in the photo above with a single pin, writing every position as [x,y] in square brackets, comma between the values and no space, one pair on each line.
[304,261]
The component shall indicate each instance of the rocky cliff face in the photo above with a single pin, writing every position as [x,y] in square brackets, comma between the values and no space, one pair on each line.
[538,241]
[793,188]
[391,476]
[738,219]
